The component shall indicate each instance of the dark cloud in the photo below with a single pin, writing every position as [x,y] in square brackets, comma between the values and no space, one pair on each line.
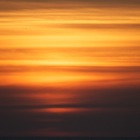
[7,5]
[112,111]
[101,26]
[84,69]
[90,1]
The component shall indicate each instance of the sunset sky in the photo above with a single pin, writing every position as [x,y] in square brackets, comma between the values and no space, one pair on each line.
[69,67]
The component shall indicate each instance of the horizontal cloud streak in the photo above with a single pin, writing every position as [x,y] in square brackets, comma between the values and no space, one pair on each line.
[8,5]
[100,69]
[88,97]
[43,58]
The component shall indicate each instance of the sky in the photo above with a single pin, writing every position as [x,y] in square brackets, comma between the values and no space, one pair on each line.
[70,68]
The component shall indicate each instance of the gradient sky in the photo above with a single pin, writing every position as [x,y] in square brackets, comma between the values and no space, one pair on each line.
[69,67]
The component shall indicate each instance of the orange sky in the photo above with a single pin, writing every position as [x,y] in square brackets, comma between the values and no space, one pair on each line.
[34,25]
[73,56]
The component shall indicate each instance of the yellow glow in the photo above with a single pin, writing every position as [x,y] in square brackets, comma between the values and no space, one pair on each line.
[79,36]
